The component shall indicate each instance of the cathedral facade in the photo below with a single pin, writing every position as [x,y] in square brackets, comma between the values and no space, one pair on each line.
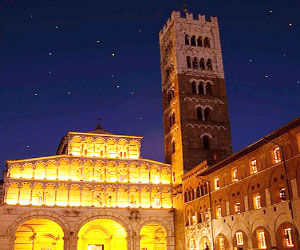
[97,193]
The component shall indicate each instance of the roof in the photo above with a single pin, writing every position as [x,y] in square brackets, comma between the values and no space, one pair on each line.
[99,130]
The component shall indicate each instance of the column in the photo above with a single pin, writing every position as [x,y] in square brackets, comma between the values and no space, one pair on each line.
[268,196]
[55,194]
[140,198]
[31,190]
[294,189]
[68,201]
[93,195]
[80,195]
[150,197]
[45,174]
[227,208]
[33,172]
[57,167]
[161,198]
[19,192]
[139,168]
[246,203]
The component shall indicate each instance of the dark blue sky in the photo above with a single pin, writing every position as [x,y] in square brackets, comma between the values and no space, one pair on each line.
[43,96]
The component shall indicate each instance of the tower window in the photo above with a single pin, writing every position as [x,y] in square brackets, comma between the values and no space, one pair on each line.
[237,207]
[199,114]
[282,194]
[194,88]
[170,95]
[201,88]
[188,62]
[257,201]
[221,243]
[195,63]
[239,238]
[219,212]
[217,183]
[261,239]
[206,142]
[234,175]
[277,155]
[199,42]
[193,41]
[198,192]
[288,237]
[206,114]
[208,88]
[173,147]
[186,40]
[202,63]
[253,166]
[200,217]
[206,42]
[209,64]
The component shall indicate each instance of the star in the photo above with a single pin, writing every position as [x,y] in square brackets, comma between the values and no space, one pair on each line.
[112,54]
[298,81]
[98,41]
[118,86]
[27,146]
[50,53]
[266,76]
[140,30]
[69,92]
[56,27]
[284,55]
[112,76]
[250,60]
[36,94]
[132,93]
[50,72]
[290,24]
[31,16]
[270,11]
[140,118]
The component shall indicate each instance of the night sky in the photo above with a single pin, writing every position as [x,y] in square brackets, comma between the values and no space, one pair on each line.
[65,63]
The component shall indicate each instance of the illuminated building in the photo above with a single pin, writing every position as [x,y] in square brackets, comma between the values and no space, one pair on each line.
[96,193]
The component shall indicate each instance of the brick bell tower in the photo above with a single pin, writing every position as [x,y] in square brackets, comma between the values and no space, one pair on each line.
[196,121]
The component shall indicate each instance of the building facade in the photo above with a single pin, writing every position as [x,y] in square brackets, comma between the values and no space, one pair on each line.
[249,200]
[96,194]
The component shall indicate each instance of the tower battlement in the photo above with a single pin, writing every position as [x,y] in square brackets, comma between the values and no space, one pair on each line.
[189,18]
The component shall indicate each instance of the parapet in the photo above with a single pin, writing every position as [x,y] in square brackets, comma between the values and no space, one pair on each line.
[189,18]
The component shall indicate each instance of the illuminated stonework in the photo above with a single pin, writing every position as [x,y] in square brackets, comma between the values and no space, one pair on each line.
[97,179]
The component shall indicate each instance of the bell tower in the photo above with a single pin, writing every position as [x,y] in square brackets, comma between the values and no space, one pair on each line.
[196,120]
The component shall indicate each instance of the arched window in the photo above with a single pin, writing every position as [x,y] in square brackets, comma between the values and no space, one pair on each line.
[202,63]
[208,88]
[206,142]
[194,87]
[206,42]
[199,114]
[209,65]
[192,194]
[188,62]
[193,41]
[195,63]
[185,197]
[202,190]
[170,95]
[186,40]
[206,114]
[173,147]
[199,42]
[206,188]
[198,192]
[201,88]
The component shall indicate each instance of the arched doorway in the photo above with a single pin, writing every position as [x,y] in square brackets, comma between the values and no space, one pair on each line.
[153,237]
[39,234]
[204,243]
[102,234]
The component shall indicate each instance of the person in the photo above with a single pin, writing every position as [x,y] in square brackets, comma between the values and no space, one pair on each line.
[206,246]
